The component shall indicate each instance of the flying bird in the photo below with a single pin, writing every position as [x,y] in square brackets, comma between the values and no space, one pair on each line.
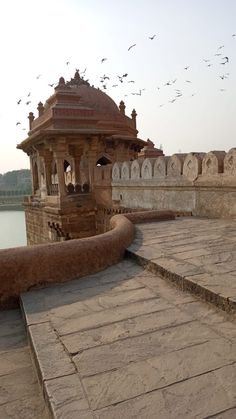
[38,76]
[131,46]
[188,81]
[27,103]
[29,94]
[103,59]
[186,68]
[209,65]
[161,105]
[51,84]
[131,81]
[172,101]
[114,85]
[19,101]
[67,62]
[234,34]
[125,75]
[152,37]
[18,123]
[206,61]
[221,46]
[225,58]
[138,94]
[217,55]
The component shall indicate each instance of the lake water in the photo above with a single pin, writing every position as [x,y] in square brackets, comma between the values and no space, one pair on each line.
[12,229]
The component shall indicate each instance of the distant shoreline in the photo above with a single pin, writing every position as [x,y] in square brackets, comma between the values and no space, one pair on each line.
[11,207]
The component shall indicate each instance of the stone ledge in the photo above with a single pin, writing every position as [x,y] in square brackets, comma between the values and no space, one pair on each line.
[61,386]
[186,283]
[23,268]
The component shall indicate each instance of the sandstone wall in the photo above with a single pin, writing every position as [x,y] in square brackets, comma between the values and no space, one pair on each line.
[201,183]
[47,222]
[22,268]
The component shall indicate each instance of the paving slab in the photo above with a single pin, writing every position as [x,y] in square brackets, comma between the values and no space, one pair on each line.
[199,256]
[20,394]
[127,343]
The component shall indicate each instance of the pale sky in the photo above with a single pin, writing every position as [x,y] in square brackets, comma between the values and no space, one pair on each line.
[39,37]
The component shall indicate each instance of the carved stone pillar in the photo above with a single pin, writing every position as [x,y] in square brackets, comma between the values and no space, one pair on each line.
[61,175]
[77,159]
[32,176]
[48,174]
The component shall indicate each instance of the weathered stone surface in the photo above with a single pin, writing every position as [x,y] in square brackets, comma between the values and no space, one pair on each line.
[165,353]
[80,323]
[121,330]
[142,377]
[197,260]
[117,354]
[66,398]
[30,408]
[13,389]
[196,397]
[51,359]
[14,360]
[19,390]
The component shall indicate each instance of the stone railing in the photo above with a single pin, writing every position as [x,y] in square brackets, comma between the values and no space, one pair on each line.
[22,268]
[201,183]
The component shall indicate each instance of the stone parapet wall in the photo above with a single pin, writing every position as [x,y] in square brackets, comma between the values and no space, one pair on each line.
[203,184]
[22,268]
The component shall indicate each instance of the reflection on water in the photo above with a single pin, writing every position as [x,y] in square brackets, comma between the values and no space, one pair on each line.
[12,229]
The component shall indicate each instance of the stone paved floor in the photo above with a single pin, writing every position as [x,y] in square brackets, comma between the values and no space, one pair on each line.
[20,395]
[202,251]
[125,343]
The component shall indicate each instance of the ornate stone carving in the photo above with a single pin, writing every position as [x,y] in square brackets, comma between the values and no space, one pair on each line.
[159,169]
[175,165]
[146,170]
[135,169]
[125,170]
[230,162]
[212,163]
[193,165]
[116,172]
[77,80]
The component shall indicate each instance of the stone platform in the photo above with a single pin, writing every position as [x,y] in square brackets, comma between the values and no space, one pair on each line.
[125,343]
[20,394]
[199,255]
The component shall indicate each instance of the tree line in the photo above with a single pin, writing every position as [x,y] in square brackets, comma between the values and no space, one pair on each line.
[15,182]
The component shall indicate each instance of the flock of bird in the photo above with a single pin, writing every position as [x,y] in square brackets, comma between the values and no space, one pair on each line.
[177,93]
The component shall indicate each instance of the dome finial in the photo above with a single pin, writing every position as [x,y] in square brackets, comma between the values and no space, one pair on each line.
[122,107]
[77,80]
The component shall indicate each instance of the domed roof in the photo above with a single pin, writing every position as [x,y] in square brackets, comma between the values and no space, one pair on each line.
[89,96]
[97,99]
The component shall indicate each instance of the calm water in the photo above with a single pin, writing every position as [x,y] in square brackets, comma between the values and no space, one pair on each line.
[12,229]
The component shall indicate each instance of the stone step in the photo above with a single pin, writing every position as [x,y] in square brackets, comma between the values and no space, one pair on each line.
[117,343]
[188,283]
[20,393]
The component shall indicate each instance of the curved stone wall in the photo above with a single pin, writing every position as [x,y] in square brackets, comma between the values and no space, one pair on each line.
[22,268]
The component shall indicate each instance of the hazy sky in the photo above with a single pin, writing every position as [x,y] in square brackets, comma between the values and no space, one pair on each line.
[39,37]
